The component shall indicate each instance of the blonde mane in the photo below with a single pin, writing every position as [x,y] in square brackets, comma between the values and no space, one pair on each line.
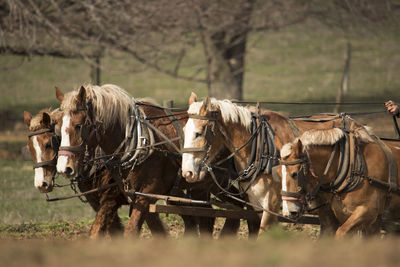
[327,137]
[229,111]
[110,103]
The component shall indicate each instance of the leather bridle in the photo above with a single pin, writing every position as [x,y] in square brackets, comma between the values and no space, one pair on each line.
[55,144]
[302,173]
[88,130]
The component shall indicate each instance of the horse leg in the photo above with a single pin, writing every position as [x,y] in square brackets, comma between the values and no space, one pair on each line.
[328,222]
[107,216]
[253,227]
[190,222]
[139,212]
[206,224]
[360,216]
[116,226]
[231,227]
[155,224]
[272,203]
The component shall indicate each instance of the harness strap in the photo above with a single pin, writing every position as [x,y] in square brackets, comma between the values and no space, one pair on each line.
[73,149]
[162,135]
[52,162]
[178,126]
[396,126]
[296,132]
[344,168]
[325,173]
[392,165]
[46,130]
[194,149]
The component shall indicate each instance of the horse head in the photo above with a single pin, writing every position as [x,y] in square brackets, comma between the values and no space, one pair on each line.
[294,172]
[203,141]
[43,145]
[77,127]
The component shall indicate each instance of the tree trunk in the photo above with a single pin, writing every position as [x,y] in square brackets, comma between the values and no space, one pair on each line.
[225,51]
[225,68]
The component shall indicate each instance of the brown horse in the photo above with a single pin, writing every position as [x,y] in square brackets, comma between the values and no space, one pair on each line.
[43,145]
[310,167]
[98,116]
[217,124]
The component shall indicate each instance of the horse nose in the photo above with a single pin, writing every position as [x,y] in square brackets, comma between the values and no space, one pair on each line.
[45,185]
[188,175]
[68,171]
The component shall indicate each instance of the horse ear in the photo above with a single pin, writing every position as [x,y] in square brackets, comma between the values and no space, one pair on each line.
[205,108]
[27,118]
[59,94]
[81,95]
[192,98]
[46,120]
[299,147]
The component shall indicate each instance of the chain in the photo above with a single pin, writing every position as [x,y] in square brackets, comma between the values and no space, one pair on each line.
[73,187]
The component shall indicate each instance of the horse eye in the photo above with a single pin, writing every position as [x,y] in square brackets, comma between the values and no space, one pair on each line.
[78,127]
[197,135]
[294,175]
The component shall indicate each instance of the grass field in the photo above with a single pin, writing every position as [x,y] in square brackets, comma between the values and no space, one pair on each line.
[298,63]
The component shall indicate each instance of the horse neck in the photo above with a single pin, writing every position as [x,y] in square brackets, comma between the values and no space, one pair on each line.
[112,138]
[319,156]
[237,135]
[280,126]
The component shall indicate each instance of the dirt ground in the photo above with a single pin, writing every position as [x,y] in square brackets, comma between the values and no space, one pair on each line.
[268,251]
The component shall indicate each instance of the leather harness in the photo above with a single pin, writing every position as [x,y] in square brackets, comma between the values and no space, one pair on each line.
[263,156]
[350,173]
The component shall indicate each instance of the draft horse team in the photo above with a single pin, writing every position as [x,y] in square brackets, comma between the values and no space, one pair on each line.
[124,151]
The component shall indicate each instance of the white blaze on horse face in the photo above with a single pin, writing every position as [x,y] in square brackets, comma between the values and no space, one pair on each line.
[39,173]
[188,160]
[287,206]
[63,160]
[285,209]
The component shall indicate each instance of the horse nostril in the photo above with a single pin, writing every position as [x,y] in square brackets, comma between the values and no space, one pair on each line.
[68,171]
[188,174]
[44,184]
[294,214]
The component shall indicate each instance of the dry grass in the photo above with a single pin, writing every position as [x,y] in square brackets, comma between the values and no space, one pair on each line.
[194,252]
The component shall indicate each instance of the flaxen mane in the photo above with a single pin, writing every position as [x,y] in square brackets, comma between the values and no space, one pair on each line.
[110,103]
[229,111]
[326,137]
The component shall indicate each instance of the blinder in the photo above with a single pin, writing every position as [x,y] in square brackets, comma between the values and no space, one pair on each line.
[55,142]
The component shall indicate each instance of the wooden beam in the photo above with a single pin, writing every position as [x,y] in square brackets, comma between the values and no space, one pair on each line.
[209,212]
[203,212]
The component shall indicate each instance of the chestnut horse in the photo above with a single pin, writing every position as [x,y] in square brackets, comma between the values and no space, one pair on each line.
[215,125]
[310,169]
[43,144]
[96,115]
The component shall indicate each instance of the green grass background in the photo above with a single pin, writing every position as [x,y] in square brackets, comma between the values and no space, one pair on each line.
[295,64]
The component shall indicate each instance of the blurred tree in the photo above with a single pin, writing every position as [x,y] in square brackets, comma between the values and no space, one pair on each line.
[162,34]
